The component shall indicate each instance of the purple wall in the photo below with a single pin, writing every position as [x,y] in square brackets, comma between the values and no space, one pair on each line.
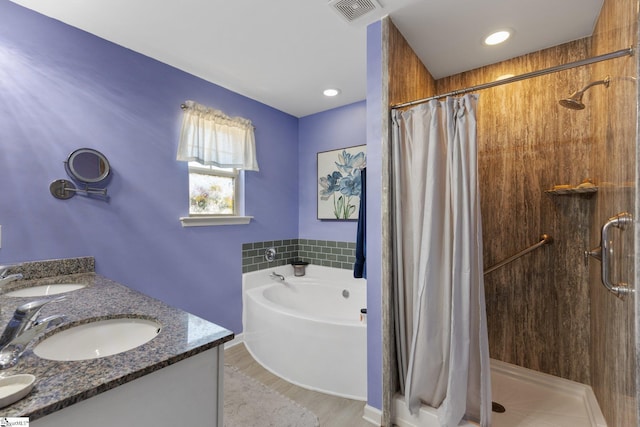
[374,214]
[353,124]
[329,130]
[63,89]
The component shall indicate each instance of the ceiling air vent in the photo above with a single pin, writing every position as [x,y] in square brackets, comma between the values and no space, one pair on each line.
[351,10]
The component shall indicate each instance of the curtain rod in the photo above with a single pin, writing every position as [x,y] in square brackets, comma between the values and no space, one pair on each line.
[184,107]
[587,61]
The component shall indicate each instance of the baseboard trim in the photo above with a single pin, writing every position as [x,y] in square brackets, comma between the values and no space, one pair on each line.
[372,415]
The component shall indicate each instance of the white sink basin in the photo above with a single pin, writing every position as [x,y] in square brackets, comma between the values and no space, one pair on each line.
[45,290]
[97,339]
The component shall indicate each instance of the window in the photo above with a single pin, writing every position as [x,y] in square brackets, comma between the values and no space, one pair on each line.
[212,190]
[217,148]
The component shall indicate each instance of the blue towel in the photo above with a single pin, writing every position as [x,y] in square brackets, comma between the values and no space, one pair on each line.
[360,266]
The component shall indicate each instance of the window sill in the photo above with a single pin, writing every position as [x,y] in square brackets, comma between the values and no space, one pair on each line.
[203,221]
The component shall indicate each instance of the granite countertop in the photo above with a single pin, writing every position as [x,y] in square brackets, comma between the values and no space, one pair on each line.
[61,384]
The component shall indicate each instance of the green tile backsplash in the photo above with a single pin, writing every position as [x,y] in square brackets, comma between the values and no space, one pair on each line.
[327,253]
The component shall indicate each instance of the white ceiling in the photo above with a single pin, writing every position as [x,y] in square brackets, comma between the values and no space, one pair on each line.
[285,52]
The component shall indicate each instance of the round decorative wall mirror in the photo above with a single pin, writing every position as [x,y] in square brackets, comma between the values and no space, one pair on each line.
[87,165]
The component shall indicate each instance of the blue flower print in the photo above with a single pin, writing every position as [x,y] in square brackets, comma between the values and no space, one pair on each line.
[350,185]
[344,183]
[330,184]
[348,162]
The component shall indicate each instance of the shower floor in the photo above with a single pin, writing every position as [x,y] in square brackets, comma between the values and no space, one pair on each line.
[530,399]
[533,399]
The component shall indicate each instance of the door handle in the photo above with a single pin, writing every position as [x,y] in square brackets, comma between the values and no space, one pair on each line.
[621,221]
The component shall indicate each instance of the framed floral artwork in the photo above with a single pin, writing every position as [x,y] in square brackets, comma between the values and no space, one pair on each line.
[339,182]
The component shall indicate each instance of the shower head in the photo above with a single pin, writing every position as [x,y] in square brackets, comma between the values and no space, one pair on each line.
[574,102]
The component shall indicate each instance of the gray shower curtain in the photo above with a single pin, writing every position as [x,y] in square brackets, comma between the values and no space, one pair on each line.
[439,307]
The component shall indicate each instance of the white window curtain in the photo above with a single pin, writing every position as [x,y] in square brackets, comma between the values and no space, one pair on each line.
[210,137]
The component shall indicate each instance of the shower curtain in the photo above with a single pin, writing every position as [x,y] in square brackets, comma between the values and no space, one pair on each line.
[439,307]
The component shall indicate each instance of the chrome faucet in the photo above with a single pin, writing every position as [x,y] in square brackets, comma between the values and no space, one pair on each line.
[24,318]
[8,278]
[22,328]
[277,276]
[10,353]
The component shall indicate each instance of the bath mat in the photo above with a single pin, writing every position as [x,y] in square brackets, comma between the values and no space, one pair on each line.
[249,403]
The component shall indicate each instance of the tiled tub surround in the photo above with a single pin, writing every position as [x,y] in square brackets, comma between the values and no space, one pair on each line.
[62,384]
[327,253]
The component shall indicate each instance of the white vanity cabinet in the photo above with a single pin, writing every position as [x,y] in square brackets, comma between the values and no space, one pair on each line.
[186,393]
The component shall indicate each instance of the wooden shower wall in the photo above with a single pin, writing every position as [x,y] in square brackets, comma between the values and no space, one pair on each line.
[405,78]
[537,306]
[411,80]
[612,156]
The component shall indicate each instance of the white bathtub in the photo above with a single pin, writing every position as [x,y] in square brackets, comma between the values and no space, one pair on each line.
[305,331]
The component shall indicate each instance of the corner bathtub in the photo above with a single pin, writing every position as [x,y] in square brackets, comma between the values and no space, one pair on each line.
[306,331]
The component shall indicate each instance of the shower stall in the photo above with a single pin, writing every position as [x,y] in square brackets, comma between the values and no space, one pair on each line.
[556,155]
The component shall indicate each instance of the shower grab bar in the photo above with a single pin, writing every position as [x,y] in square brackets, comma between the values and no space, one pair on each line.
[621,221]
[544,240]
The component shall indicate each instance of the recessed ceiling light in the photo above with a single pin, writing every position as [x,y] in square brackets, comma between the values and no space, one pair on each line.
[497,37]
[331,92]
